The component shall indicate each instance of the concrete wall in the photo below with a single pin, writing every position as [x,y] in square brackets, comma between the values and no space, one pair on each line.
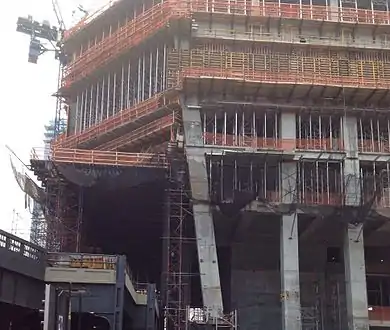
[290,32]
[255,287]
[256,296]
[20,290]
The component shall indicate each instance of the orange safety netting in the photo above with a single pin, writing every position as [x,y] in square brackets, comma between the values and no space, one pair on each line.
[157,17]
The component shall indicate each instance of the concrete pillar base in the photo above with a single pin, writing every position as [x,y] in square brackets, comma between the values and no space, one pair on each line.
[289,272]
[355,278]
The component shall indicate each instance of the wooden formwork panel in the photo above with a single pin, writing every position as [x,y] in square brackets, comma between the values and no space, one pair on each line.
[157,17]
[303,68]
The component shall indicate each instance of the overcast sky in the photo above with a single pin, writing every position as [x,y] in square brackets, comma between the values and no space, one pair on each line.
[25,89]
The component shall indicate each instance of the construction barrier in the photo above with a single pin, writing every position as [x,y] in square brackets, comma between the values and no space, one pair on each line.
[157,17]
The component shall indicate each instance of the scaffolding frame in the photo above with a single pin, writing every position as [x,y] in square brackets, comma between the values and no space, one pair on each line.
[143,133]
[319,181]
[135,116]
[176,277]
[156,18]
[38,234]
[374,134]
[133,34]
[198,317]
[63,213]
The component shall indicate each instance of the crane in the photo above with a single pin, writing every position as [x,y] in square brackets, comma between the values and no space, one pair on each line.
[39,31]
[43,31]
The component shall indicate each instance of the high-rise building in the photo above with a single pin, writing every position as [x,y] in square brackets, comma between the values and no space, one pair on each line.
[237,152]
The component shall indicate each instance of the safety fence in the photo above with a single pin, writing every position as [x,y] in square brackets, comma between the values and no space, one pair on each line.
[92,261]
[130,35]
[374,146]
[82,260]
[157,17]
[99,157]
[149,131]
[271,143]
[278,68]
[114,122]
[109,158]
[85,21]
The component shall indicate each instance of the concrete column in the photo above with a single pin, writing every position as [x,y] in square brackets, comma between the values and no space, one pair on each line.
[289,272]
[204,225]
[71,127]
[350,135]
[288,132]
[289,182]
[351,163]
[49,315]
[288,129]
[355,278]
[334,10]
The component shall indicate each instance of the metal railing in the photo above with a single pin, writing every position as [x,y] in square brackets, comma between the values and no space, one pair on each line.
[88,19]
[92,261]
[99,157]
[20,246]
[82,260]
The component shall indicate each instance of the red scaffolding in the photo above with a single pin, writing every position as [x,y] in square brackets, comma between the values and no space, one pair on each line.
[140,135]
[156,18]
[119,120]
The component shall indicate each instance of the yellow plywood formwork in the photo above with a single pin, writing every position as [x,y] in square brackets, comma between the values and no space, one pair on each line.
[311,68]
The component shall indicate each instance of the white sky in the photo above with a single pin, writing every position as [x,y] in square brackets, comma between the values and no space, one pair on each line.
[25,90]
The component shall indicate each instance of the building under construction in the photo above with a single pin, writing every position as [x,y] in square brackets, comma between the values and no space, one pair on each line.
[237,152]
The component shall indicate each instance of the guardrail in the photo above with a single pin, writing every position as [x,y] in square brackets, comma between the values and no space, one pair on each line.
[100,157]
[92,261]
[82,260]
[20,246]
[88,19]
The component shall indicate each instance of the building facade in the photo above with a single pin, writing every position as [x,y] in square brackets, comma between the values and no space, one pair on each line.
[283,110]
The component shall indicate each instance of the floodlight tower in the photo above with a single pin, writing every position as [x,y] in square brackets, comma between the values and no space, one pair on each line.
[44,31]
[38,31]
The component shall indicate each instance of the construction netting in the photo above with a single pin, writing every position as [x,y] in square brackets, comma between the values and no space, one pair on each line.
[28,186]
